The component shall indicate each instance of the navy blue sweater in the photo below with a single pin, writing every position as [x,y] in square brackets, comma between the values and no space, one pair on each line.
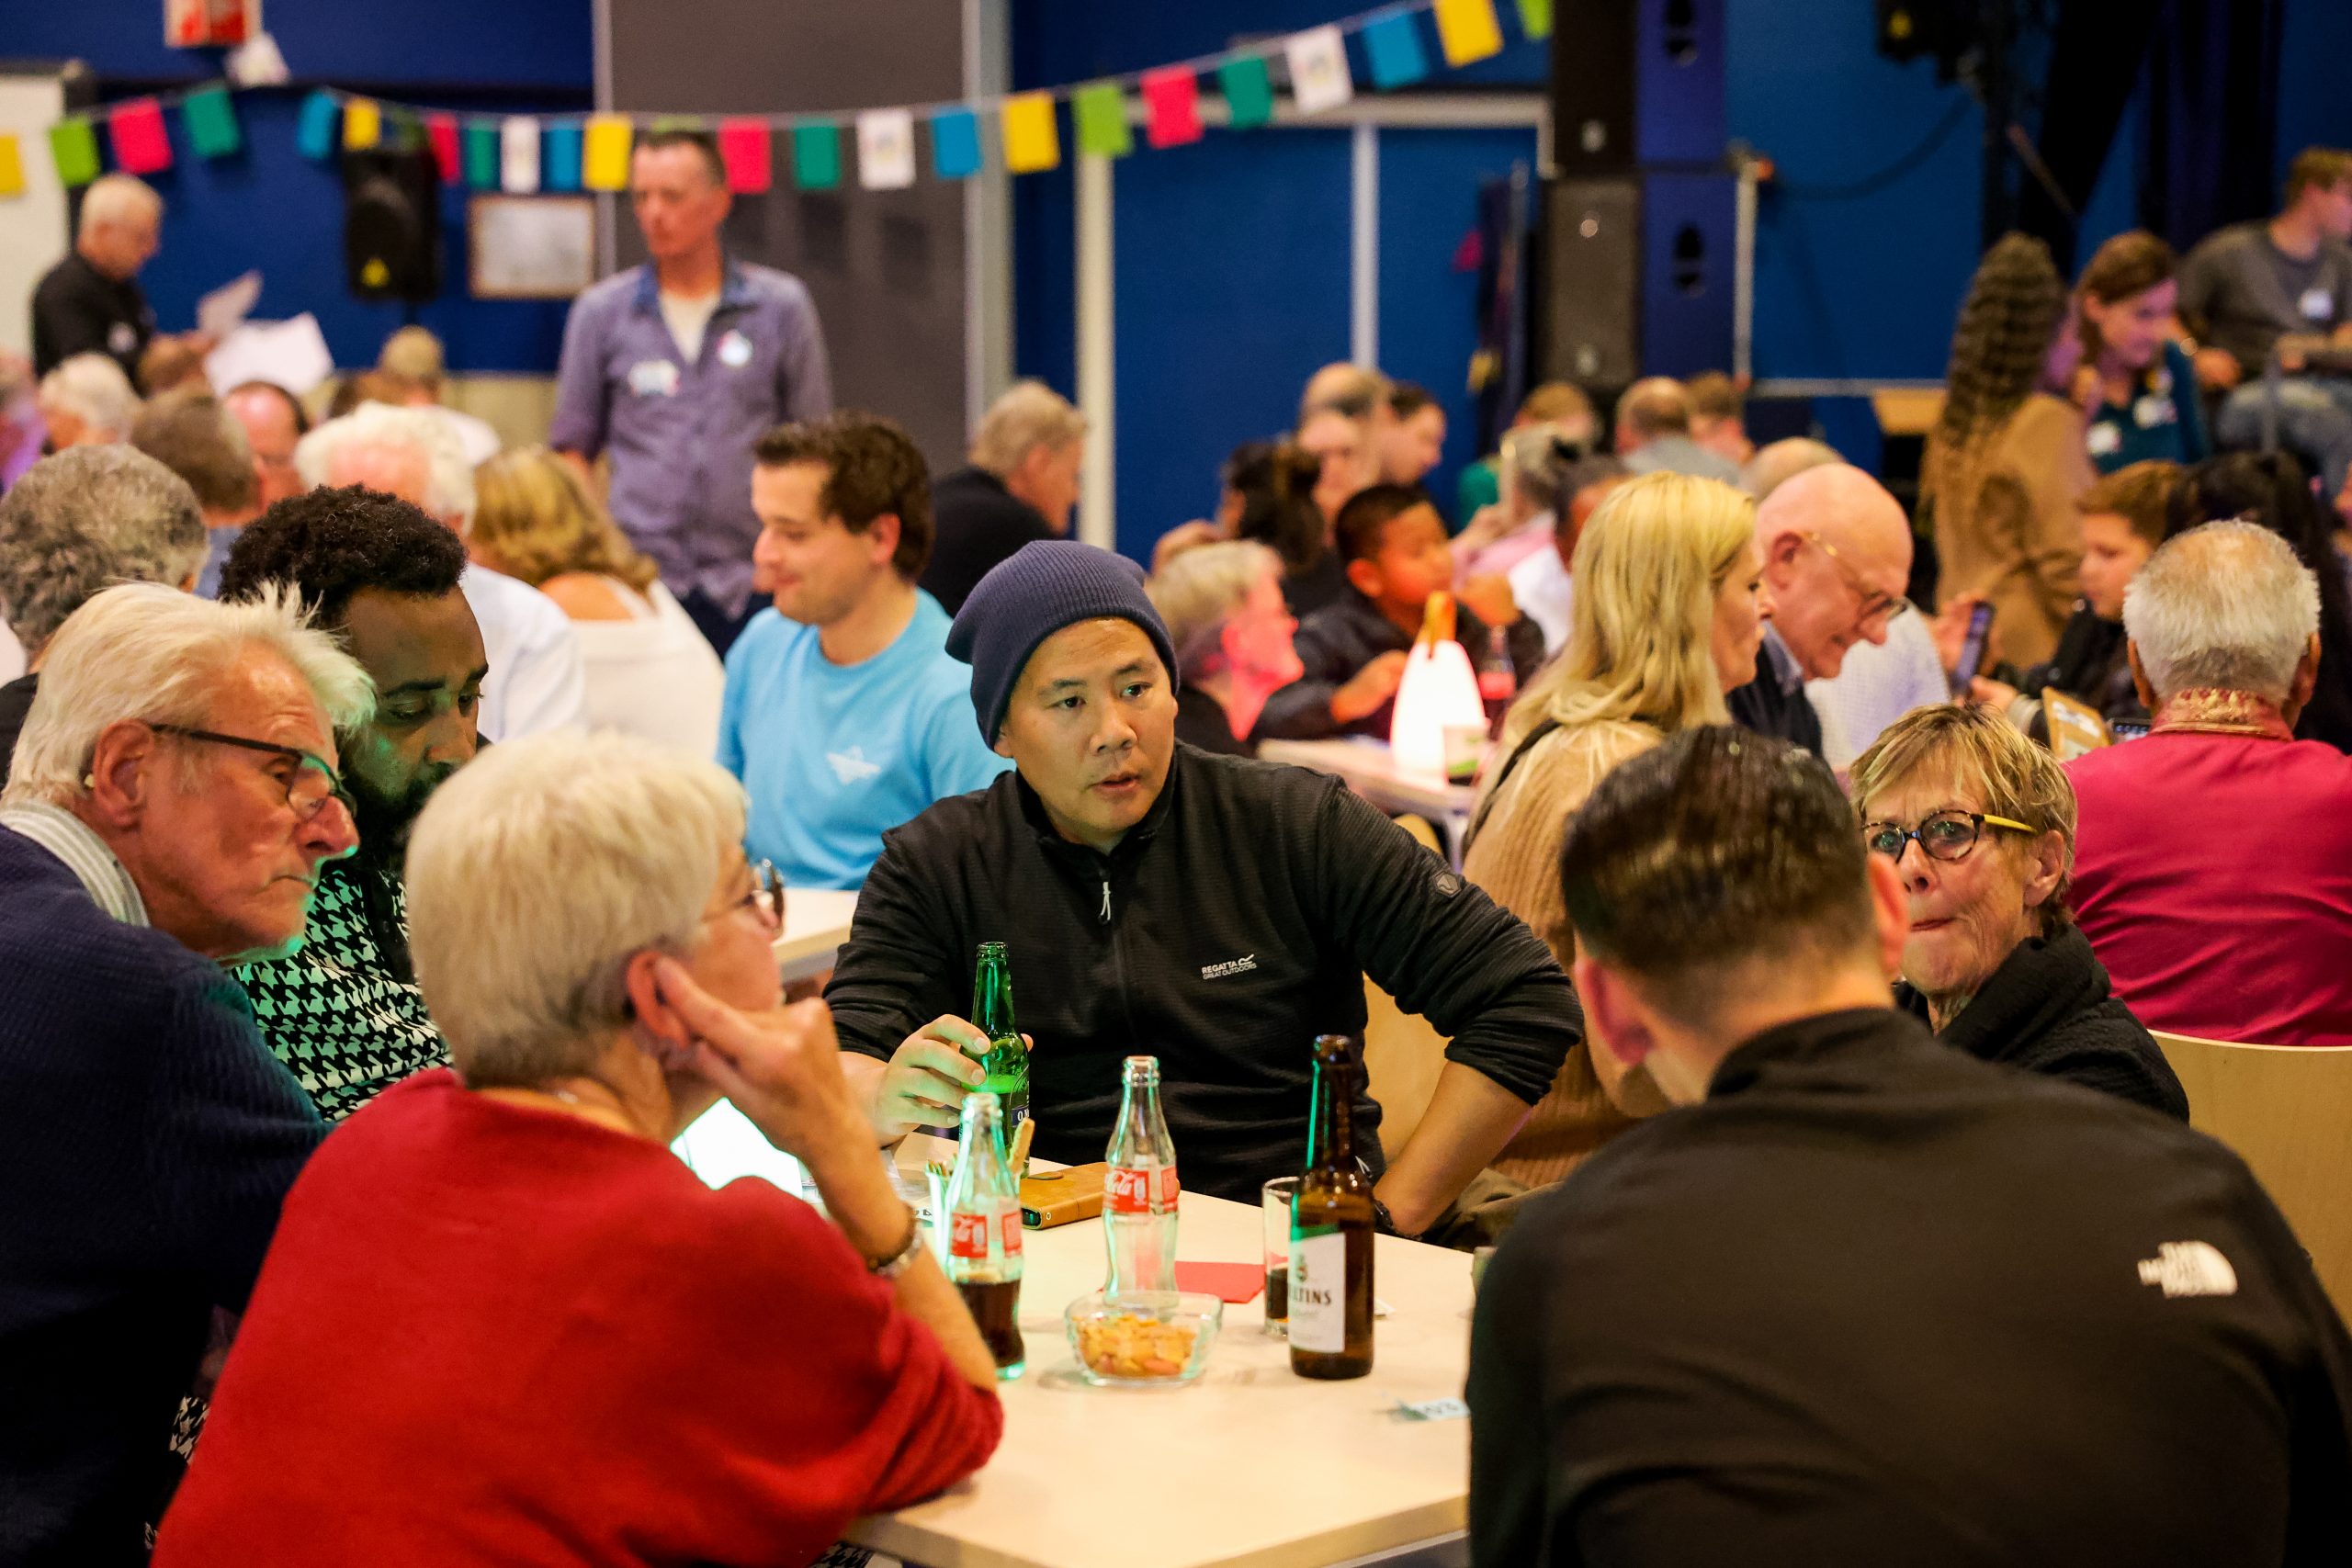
[147,1136]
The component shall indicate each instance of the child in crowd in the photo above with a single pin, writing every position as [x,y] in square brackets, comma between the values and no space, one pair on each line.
[2123,522]
[1353,652]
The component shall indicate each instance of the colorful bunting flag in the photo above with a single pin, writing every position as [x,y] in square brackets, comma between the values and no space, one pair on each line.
[1032,143]
[482,154]
[1249,90]
[955,144]
[1467,31]
[211,121]
[748,151]
[816,156]
[561,152]
[1099,112]
[73,147]
[1319,70]
[363,125]
[885,150]
[1171,99]
[314,133]
[1535,19]
[518,155]
[605,161]
[136,128]
[441,131]
[1394,46]
[12,167]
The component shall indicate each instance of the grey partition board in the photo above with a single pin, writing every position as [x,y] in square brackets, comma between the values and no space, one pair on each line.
[887,268]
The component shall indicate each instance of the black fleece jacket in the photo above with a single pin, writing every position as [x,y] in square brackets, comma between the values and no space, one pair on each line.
[1230,927]
[2047,1009]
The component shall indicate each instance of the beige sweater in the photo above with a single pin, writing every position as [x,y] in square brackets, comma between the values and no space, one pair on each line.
[1516,860]
[2008,530]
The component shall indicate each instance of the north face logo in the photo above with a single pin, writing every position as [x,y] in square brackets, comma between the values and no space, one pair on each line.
[2190,1269]
[1241,965]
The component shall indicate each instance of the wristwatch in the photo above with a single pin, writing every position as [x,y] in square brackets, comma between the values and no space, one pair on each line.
[903,1258]
[1383,1222]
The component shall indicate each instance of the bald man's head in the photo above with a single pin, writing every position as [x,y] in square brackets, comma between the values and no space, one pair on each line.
[1837,555]
[1651,408]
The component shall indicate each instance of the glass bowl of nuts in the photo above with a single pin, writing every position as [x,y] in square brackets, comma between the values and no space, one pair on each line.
[1143,1338]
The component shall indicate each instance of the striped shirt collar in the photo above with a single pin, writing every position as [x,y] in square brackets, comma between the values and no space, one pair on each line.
[86,854]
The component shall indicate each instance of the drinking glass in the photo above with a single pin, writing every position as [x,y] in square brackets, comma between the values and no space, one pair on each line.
[1274,1201]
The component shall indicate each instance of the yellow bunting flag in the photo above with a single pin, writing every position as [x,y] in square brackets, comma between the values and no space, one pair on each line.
[12,167]
[1030,140]
[363,125]
[605,165]
[1467,30]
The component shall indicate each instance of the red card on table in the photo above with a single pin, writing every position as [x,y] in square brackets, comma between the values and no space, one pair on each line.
[141,145]
[1226,1281]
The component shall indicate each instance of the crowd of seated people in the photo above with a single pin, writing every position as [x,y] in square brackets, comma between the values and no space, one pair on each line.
[391,857]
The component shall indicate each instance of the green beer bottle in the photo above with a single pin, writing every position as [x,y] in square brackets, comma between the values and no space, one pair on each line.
[1007,1063]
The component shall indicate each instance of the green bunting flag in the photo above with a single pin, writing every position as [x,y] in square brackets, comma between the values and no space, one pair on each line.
[74,147]
[816,156]
[1249,90]
[1101,111]
[211,121]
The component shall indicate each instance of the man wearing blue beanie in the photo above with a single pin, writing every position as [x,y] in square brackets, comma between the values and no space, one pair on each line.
[1216,912]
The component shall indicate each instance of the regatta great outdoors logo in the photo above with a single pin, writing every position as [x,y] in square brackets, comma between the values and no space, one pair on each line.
[1241,965]
[2190,1269]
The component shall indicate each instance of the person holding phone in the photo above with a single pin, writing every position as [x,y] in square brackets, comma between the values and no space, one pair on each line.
[500,1320]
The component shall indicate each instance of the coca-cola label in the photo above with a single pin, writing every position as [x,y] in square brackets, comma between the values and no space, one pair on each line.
[1128,1191]
[968,1236]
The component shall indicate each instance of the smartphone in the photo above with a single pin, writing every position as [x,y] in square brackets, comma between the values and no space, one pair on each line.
[1972,648]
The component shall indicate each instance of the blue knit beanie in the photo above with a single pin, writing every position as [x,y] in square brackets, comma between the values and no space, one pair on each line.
[1043,586]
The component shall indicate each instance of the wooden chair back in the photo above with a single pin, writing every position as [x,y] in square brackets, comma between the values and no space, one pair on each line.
[2287,1112]
[1402,1055]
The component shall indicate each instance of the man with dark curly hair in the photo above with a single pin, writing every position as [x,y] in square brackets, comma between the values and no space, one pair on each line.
[344,1012]
[843,715]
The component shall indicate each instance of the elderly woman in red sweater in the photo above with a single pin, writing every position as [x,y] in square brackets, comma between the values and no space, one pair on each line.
[501,1321]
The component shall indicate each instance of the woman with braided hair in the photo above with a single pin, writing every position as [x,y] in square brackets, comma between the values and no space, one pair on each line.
[2006,460]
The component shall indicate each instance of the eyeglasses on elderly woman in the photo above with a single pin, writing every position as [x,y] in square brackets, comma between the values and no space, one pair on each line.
[1942,835]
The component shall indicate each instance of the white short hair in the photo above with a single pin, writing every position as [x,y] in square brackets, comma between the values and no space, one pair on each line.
[93,388]
[538,872]
[1198,592]
[144,651]
[1029,416]
[118,199]
[449,478]
[2226,606]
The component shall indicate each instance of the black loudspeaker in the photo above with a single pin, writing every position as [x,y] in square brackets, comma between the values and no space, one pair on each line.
[392,225]
[1592,274]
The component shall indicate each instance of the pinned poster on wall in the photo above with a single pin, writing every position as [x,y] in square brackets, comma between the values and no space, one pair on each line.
[206,24]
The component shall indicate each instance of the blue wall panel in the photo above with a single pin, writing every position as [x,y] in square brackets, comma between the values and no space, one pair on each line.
[1232,260]
[1428,328]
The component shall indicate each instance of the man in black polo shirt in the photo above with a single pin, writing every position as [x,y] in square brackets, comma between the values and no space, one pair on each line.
[1837,553]
[1868,1300]
[91,301]
[1216,912]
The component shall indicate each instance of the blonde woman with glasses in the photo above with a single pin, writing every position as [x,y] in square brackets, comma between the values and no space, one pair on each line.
[649,671]
[1665,619]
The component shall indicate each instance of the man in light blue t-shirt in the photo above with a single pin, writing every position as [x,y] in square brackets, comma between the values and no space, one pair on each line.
[843,714]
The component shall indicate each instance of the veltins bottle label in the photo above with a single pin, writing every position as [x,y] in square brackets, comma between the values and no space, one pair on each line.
[1318,1289]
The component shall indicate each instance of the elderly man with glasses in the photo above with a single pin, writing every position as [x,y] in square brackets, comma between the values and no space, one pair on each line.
[173,800]
[1980,824]
[1837,551]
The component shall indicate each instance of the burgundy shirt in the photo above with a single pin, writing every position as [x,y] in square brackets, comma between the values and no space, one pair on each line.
[492,1334]
[2213,876]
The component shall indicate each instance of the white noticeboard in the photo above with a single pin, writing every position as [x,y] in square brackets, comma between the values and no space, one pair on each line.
[532,247]
[32,226]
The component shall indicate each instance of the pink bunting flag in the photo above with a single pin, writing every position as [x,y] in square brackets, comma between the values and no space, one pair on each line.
[1171,99]
[748,153]
[441,130]
[141,144]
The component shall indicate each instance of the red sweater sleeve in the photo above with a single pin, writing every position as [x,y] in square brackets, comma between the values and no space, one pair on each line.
[788,1391]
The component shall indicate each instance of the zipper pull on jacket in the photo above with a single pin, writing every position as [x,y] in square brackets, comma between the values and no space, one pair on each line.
[1106,901]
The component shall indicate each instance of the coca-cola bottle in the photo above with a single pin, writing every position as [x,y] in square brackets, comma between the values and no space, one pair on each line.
[1139,1192]
[984,1233]
[1498,678]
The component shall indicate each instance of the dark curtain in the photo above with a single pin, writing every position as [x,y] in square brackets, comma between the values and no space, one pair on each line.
[2208,73]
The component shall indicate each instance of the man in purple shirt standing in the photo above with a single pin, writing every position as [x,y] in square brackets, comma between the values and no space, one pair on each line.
[675,369]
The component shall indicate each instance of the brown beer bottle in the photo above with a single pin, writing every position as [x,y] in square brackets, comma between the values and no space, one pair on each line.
[1330,1231]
